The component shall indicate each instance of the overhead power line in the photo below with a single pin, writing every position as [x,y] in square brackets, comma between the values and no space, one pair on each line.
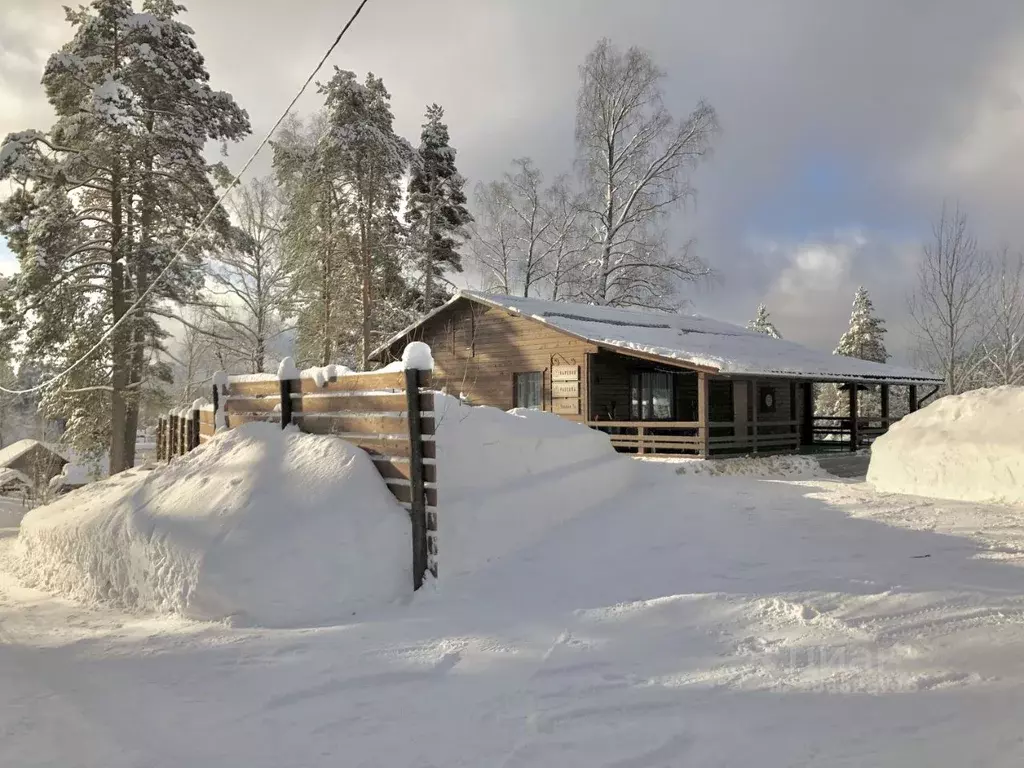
[198,227]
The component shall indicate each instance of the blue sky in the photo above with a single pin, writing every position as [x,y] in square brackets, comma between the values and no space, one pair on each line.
[845,125]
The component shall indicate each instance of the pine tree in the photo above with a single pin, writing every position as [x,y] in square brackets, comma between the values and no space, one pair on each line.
[863,339]
[317,245]
[345,240]
[106,197]
[763,323]
[436,207]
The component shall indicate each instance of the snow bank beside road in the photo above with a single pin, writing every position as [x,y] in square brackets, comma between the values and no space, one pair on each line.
[260,525]
[968,447]
[505,479]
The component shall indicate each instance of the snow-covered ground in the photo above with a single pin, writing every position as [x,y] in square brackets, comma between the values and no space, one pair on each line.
[692,620]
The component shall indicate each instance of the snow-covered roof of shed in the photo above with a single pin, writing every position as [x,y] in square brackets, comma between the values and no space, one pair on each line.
[15,451]
[694,340]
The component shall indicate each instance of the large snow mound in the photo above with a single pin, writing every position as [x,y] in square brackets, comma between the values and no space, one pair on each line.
[260,526]
[507,478]
[967,447]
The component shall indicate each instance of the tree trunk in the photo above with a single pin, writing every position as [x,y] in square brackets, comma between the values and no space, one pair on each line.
[367,297]
[119,350]
[606,244]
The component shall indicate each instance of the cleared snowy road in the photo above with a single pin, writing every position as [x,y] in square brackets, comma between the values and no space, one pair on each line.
[703,621]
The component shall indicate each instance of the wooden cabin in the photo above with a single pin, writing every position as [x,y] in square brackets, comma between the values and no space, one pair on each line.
[655,382]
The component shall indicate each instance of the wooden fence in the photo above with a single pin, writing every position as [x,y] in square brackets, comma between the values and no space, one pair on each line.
[388,415]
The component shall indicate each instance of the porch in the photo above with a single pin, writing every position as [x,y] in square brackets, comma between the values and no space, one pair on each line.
[648,407]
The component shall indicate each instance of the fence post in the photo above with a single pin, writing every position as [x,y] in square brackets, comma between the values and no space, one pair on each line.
[195,424]
[183,437]
[160,438]
[854,418]
[286,402]
[418,501]
[172,435]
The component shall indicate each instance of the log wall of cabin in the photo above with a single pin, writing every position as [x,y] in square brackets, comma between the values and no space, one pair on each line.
[478,350]
[788,396]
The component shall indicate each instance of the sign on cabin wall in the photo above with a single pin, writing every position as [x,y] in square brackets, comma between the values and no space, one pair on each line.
[565,373]
[566,406]
[565,389]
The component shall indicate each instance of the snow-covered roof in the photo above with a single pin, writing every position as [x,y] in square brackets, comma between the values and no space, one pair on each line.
[692,340]
[15,451]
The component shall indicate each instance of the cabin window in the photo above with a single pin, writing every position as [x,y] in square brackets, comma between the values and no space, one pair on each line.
[529,389]
[766,400]
[651,395]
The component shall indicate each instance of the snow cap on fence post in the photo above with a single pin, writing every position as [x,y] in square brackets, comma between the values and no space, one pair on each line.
[417,356]
[197,405]
[287,370]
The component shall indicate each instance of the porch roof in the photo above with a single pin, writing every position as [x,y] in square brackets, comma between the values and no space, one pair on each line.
[683,340]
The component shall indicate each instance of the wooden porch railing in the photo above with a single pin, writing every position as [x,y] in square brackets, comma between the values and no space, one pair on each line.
[653,437]
[688,437]
[839,429]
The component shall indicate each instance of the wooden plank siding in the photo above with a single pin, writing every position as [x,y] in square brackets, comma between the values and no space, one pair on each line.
[478,350]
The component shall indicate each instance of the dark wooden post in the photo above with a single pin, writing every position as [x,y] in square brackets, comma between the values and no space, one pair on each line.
[807,427]
[755,408]
[215,398]
[183,437]
[794,429]
[912,397]
[418,501]
[160,439]
[172,429]
[286,402]
[883,402]
[188,435]
[195,428]
[854,426]
[703,419]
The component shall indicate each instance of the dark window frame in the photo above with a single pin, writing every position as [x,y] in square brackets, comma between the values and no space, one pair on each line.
[762,393]
[539,389]
[636,404]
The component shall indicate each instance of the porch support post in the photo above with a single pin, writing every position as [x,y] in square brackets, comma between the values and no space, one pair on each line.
[807,427]
[883,402]
[912,396]
[703,431]
[793,430]
[754,408]
[854,427]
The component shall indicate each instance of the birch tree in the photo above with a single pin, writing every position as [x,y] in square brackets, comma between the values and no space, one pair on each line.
[635,158]
[947,307]
[248,279]
[528,236]
[493,237]
[1003,349]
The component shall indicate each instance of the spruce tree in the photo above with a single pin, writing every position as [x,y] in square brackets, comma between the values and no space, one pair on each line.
[863,339]
[763,323]
[105,198]
[436,207]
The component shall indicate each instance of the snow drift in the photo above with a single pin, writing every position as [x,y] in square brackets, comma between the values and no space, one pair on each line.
[260,525]
[506,478]
[966,447]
